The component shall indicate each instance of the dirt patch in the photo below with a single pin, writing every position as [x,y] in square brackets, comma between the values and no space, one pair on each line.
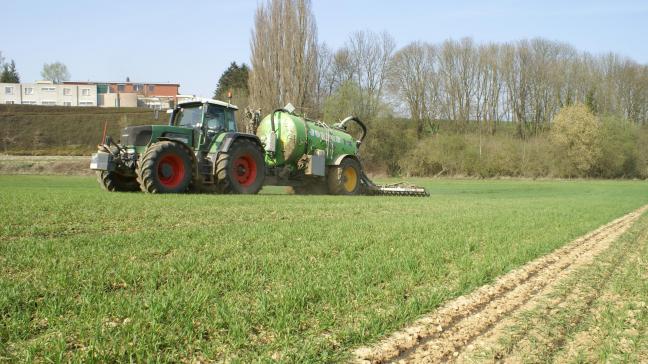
[455,328]
[51,165]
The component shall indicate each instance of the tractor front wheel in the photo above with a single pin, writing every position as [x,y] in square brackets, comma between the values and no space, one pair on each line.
[165,167]
[345,178]
[241,169]
[114,182]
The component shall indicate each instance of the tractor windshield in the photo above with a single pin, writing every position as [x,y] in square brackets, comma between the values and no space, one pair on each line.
[189,116]
[219,118]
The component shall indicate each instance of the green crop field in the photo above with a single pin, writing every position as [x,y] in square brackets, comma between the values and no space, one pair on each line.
[87,275]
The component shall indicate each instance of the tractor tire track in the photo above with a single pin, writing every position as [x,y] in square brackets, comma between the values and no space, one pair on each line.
[443,335]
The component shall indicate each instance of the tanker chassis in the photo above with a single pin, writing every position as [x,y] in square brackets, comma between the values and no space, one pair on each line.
[202,150]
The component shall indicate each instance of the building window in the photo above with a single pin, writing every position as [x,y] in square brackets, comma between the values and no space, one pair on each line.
[48,89]
[48,103]
[9,102]
[29,102]
[85,92]
[67,92]
[121,88]
[9,90]
[151,88]
[29,90]
[67,103]
[138,87]
[86,103]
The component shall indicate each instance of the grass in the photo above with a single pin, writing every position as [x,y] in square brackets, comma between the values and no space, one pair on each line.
[87,275]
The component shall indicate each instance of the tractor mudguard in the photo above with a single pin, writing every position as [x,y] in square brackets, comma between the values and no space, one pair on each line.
[341,157]
[232,136]
[175,140]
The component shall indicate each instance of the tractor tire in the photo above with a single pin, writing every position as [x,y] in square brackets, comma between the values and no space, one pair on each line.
[165,167]
[345,178]
[241,170]
[114,182]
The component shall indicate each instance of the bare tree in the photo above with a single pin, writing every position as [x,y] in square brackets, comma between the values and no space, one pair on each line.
[369,54]
[284,55]
[412,79]
[325,80]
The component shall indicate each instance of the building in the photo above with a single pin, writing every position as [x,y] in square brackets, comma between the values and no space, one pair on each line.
[134,94]
[47,93]
[103,94]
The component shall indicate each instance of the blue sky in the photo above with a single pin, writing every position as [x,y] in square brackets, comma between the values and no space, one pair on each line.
[192,42]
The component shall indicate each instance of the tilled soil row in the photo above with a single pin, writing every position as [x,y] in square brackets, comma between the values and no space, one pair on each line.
[444,334]
[554,315]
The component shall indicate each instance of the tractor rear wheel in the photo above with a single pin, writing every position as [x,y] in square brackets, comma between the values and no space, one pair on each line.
[345,178]
[114,182]
[241,169]
[165,167]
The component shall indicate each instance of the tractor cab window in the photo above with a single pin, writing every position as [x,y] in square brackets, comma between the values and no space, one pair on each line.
[189,116]
[219,118]
[229,118]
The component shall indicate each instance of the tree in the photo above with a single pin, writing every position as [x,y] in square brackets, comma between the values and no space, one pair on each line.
[325,82]
[412,78]
[235,79]
[284,55]
[9,73]
[56,72]
[369,55]
[345,101]
[575,133]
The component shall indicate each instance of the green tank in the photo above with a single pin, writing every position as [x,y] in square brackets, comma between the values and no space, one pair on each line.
[295,136]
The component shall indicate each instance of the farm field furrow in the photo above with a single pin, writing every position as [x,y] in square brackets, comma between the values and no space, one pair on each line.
[596,314]
[452,332]
[87,275]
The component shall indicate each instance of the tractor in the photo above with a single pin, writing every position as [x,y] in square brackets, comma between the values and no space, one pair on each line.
[202,150]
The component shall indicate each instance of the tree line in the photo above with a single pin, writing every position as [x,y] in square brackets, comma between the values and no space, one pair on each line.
[524,82]
[530,108]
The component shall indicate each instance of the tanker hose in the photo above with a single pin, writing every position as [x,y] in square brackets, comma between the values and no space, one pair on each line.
[272,123]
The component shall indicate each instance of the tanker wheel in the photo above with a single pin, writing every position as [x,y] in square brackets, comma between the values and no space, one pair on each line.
[114,182]
[165,167]
[345,178]
[241,169]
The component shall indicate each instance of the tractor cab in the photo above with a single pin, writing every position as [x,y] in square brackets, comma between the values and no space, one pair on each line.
[206,120]
[207,115]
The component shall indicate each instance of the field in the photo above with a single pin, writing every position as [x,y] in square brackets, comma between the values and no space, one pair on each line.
[91,276]
[65,130]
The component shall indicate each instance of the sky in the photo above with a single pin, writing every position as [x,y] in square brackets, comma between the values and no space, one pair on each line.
[193,42]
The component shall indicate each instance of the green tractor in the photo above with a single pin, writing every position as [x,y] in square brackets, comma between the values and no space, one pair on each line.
[202,150]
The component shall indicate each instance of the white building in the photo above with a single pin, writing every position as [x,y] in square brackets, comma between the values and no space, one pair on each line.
[47,93]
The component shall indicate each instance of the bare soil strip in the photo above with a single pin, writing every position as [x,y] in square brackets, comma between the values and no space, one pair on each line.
[447,332]
[49,165]
[556,328]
